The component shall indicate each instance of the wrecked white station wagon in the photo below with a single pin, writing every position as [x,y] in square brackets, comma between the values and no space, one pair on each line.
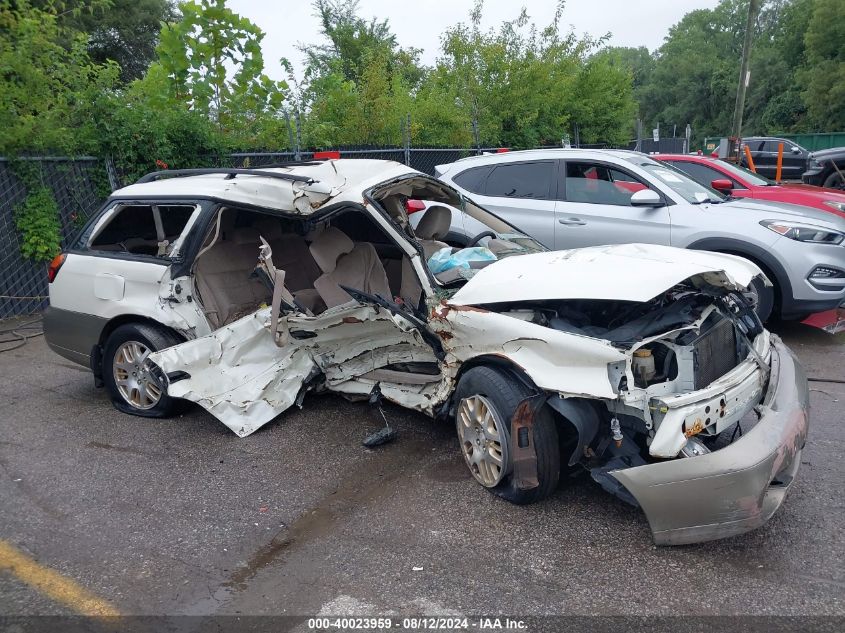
[243,290]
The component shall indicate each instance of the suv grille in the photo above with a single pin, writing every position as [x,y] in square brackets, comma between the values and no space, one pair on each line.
[715,353]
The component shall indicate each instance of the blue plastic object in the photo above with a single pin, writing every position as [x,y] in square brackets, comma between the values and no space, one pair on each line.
[444,259]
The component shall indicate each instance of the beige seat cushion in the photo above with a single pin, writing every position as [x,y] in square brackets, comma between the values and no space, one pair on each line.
[224,278]
[290,253]
[348,264]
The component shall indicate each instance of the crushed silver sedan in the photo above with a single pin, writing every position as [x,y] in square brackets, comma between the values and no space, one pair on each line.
[644,365]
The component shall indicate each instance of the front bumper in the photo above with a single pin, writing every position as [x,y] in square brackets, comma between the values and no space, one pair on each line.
[813,176]
[739,487]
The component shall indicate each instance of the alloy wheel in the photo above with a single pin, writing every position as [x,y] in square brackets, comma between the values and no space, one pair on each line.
[132,376]
[483,440]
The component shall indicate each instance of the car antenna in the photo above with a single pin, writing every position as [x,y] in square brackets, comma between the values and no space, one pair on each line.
[386,433]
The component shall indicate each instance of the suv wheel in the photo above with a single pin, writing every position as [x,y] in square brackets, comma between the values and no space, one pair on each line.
[765,298]
[487,399]
[834,181]
[126,370]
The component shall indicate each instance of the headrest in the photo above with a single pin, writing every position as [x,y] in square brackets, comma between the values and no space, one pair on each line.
[435,224]
[327,248]
[245,235]
[269,228]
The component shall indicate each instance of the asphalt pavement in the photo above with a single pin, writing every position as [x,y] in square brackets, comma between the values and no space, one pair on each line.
[180,516]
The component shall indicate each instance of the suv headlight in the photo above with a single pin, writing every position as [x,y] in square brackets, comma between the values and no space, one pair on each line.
[839,206]
[804,232]
[814,164]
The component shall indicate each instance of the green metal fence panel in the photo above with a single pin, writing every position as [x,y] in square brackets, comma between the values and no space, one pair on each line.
[815,142]
[812,142]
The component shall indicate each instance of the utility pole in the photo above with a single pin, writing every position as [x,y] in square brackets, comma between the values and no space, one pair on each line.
[744,75]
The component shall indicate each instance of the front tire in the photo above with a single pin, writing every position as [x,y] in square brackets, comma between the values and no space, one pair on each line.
[765,296]
[126,371]
[486,401]
[834,181]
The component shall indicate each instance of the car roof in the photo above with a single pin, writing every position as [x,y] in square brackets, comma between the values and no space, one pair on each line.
[689,157]
[318,184]
[539,154]
[765,138]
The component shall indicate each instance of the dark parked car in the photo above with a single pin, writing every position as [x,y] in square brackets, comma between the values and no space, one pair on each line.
[826,168]
[764,152]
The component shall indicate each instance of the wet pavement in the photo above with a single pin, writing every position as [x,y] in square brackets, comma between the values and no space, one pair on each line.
[182,517]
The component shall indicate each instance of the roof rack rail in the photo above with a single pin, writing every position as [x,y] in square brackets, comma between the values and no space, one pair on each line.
[230,172]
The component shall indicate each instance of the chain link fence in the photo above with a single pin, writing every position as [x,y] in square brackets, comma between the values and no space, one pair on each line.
[78,186]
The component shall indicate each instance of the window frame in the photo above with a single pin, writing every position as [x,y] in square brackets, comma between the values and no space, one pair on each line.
[482,184]
[551,194]
[667,201]
[81,243]
[722,175]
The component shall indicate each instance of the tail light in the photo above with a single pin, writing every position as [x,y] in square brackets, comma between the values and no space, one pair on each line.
[412,206]
[53,269]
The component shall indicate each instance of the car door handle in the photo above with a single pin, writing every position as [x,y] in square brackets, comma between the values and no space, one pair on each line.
[572,221]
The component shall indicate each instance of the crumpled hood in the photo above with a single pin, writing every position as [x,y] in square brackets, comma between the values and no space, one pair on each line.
[623,272]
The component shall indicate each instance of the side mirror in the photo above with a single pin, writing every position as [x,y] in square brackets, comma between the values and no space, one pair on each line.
[646,198]
[795,150]
[722,184]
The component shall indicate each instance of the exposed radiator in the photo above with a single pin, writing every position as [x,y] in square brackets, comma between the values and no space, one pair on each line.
[715,353]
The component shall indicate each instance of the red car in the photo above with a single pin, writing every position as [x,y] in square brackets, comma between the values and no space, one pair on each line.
[741,183]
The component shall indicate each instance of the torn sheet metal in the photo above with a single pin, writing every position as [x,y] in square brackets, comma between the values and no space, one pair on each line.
[237,373]
[240,376]
[556,361]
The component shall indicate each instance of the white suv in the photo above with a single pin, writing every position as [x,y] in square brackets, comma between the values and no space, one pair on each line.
[244,290]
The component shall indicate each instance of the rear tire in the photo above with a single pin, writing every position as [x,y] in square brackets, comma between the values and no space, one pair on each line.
[126,371]
[502,393]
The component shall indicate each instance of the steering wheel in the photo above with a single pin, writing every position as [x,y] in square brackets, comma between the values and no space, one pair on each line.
[480,237]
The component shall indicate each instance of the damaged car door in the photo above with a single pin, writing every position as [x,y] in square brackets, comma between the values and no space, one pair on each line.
[249,371]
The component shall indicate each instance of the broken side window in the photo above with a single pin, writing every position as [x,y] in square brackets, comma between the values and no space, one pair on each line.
[142,229]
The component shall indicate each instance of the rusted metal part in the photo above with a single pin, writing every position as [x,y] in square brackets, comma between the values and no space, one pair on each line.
[695,429]
[522,444]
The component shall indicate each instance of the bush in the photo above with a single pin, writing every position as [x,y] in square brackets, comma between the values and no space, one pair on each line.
[37,219]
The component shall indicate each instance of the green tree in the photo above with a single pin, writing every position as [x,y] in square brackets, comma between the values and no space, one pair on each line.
[521,86]
[213,63]
[797,76]
[358,84]
[695,72]
[352,43]
[123,31]
[48,92]
[823,77]
[639,62]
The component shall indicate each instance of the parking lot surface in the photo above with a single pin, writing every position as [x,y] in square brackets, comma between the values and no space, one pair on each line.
[180,516]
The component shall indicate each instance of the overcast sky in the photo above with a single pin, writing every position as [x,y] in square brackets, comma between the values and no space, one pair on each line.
[419,23]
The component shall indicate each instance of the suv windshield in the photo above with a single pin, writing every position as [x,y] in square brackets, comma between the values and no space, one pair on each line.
[677,180]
